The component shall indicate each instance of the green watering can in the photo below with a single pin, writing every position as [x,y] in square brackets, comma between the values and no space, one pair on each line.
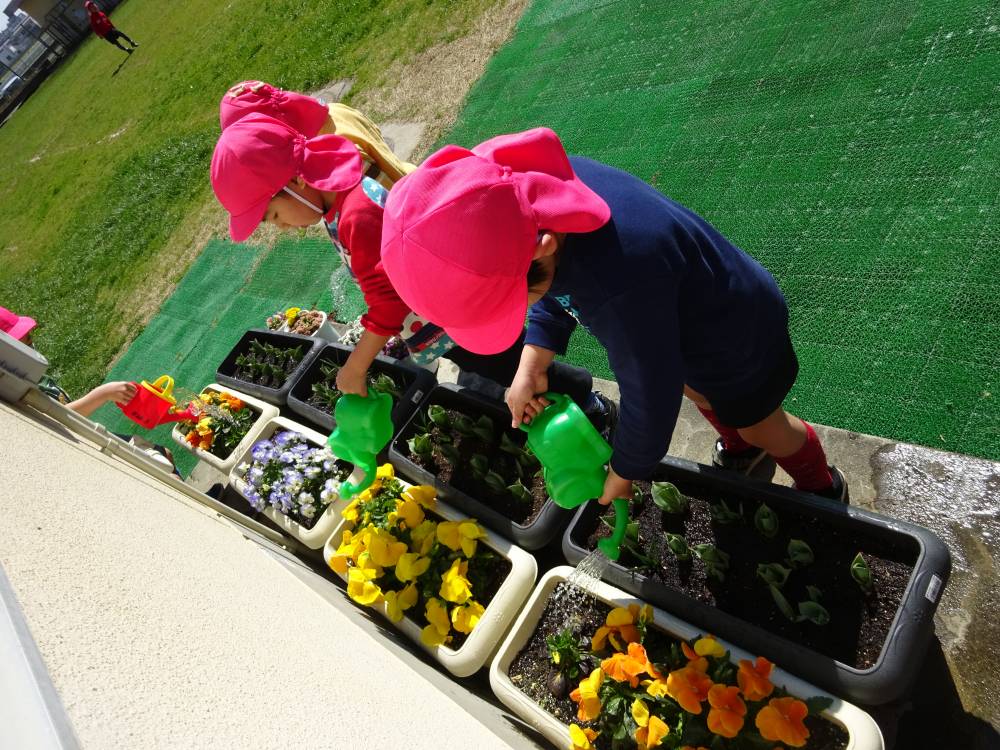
[363,429]
[573,454]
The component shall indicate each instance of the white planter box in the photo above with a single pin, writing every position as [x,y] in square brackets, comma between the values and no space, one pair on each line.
[264,411]
[484,639]
[325,330]
[863,732]
[330,518]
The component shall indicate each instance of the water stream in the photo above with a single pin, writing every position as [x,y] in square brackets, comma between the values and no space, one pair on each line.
[568,600]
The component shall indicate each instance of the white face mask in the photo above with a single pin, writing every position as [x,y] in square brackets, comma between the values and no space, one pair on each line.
[304,200]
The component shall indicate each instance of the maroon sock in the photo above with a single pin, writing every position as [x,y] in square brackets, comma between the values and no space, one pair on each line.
[807,466]
[731,439]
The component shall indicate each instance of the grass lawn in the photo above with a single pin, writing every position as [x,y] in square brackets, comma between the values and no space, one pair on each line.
[104,182]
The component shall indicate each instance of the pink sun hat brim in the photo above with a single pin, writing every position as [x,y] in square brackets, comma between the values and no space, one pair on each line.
[14,325]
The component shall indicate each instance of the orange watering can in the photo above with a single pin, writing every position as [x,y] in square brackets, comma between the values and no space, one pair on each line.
[154,404]
[573,454]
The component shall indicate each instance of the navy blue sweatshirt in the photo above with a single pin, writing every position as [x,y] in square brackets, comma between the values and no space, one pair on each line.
[672,301]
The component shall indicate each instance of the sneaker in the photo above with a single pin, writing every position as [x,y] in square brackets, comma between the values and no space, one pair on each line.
[838,490]
[605,417]
[742,462]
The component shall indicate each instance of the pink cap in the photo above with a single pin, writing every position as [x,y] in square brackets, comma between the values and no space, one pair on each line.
[302,112]
[459,233]
[257,155]
[14,325]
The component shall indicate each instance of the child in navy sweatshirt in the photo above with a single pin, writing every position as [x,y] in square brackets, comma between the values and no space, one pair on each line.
[472,239]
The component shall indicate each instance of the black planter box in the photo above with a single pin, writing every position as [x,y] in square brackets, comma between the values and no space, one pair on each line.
[910,631]
[226,374]
[549,522]
[416,384]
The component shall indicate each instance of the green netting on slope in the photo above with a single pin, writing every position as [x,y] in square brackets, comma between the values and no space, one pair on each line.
[852,148]
[229,289]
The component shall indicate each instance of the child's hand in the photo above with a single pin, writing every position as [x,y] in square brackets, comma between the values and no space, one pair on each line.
[522,397]
[615,487]
[350,380]
[118,391]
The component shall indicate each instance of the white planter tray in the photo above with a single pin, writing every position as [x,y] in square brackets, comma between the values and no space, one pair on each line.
[264,411]
[863,732]
[484,639]
[328,521]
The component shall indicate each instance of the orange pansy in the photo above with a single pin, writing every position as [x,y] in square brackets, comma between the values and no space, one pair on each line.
[689,688]
[619,628]
[782,719]
[626,667]
[694,660]
[754,678]
[725,717]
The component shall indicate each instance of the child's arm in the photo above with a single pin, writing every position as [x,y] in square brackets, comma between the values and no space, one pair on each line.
[117,391]
[351,377]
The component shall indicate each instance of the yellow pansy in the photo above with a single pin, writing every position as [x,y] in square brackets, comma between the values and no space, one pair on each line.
[587,698]
[385,471]
[385,549]
[582,739]
[411,513]
[455,587]
[421,494]
[422,538]
[465,618]
[204,426]
[351,547]
[462,535]
[350,513]
[437,631]
[708,646]
[291,314]
[360,587]
[651,730]
[656,688]
[397,602]
[411,566]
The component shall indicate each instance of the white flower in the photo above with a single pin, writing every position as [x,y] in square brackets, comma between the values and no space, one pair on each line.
[308,511]
[306,499]
[243,467]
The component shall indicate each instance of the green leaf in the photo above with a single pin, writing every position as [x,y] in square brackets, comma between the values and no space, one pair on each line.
[678,545]
[815,613]
[814,593]
[480,465]
[632,531]
[509,446]
[716,561]
[861,573]
[439,416]
[782,602]
[668,498]
[766,521]
[495,482]
[818,704]
[464,426]
[773,574]
[450,452]
[421,445]
[521,492]
[483,429]
[723,514]
[800,554]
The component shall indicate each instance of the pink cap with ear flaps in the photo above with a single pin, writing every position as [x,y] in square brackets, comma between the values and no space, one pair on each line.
[459,233]
[257,155]
[303,113]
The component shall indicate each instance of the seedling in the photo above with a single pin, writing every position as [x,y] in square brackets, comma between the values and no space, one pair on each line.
[521,492]
[862,574]
[668,498]
[800,554]
[766,521]
[421,445]
[773,574]
[479,465]
[723,514]
[678,545]
[439,416]
[814,612]
[495,482]
[566,651]
[631,543]
[716,561]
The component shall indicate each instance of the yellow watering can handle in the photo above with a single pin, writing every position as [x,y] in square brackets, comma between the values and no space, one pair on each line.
[163,387]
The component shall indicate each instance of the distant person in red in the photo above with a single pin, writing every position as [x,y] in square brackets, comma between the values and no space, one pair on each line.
[103,27]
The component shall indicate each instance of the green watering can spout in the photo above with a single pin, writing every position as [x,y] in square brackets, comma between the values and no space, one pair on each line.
[573,454]
[364,428]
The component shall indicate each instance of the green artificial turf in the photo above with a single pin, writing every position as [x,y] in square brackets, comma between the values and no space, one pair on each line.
[852,148]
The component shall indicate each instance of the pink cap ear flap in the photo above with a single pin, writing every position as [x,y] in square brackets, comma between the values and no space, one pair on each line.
[536,150]
[329,162]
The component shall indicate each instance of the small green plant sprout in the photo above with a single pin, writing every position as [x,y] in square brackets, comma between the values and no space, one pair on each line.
[566,652]
[439,416]
[450,453]
[773,574]
[782,602]
[630,542]
[766,521]
[678,546]
[479,465]
[814,593]
[723,514]
[716,561]
[495,482]
[509,446]
[862,574]
[464,425]
[421,445]
[800,554]
[521,492]
[483,429]
[668,498]
[382,383]
[814,612]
